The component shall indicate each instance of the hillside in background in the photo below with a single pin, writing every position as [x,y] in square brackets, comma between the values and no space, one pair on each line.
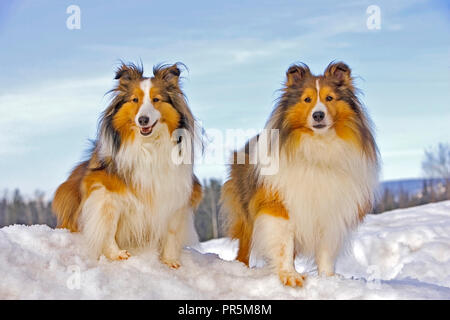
[412,186]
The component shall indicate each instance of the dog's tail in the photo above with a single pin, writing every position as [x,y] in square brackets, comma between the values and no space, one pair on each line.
[237,220]
[67,199]
[197,193]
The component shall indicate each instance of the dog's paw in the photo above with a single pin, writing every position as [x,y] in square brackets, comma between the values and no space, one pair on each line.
[118,255]
[291,278]
[172,264]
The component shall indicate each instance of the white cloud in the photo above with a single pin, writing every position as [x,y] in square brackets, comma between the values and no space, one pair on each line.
[52,107]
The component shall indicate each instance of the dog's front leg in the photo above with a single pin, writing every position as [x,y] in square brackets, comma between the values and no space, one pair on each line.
[99,219]
[273,237]
[326,253]
[175,238]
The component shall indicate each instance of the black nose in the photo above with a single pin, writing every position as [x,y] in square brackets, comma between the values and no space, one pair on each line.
[143,120]
[318,116]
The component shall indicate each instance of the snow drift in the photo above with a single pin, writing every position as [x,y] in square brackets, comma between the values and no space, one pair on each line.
[402,254]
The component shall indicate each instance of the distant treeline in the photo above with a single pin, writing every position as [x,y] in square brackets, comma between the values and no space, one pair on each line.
[433,190]
[15,209]
[436,166]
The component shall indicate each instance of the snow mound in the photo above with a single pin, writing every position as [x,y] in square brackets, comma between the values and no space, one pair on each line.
[402,254]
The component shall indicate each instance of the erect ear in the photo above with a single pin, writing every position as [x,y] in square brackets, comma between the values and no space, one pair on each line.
[128,72]
[296,74]
[340,73]
[172,74]
[169,73]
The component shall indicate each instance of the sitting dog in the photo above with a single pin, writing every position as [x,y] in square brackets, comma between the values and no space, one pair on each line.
[132,191]
[325,182]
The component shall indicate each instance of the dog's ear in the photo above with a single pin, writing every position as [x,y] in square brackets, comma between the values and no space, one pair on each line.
[173,74]
[339,73]
[169,73]
[296,74]
[128,72]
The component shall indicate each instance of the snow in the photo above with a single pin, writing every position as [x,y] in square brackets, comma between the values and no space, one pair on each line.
[402,254]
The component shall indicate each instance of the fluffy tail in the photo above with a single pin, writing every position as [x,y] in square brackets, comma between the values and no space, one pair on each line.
[67,199]
[237,220]
[197,193]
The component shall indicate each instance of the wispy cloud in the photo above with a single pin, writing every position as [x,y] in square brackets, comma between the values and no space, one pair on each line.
[54,81]
[39,109]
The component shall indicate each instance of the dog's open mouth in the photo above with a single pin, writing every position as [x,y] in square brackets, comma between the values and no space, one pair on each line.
[145,131]
[319,126]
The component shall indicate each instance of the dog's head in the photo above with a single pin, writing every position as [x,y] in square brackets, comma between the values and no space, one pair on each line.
[144,105]
[316,105]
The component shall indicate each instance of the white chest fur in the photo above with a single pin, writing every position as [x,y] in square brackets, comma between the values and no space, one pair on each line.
[163,187]
[322,185]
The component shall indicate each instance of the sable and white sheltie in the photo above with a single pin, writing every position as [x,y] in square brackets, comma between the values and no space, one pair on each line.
[131,193]
[326,179]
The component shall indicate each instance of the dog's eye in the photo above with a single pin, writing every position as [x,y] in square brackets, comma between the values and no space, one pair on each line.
[307,99]
[135,100]
[155,99]
[329,98]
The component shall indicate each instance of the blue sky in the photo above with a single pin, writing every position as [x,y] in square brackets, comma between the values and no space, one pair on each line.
[53,80]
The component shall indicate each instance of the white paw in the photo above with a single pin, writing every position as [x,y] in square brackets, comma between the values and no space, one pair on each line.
[291,278]
[173,264]
[118,255]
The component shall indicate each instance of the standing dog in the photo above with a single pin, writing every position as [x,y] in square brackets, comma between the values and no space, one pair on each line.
[131,192]
[328,173]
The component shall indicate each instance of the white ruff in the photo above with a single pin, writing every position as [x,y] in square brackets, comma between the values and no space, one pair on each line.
[162,190]
[322,185]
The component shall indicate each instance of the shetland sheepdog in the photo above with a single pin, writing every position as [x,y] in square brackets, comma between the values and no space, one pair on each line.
[132,192]
[326,179]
